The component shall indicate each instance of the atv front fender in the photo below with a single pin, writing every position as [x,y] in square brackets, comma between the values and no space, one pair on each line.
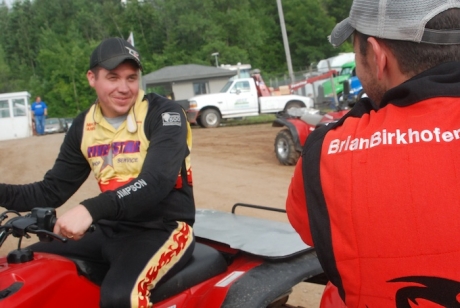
[298,128]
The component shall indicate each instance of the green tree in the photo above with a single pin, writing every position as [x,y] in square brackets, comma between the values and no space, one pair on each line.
[64,64]
[339,10]
[7,81]
[270,58]
[20,40]
[308,27]
[144,21]
[45,44]
[196,29]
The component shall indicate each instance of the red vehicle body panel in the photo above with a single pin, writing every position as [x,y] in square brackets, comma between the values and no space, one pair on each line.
[303,129]
[47,272]
[212,292]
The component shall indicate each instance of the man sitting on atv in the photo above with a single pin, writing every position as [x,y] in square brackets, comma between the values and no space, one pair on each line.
[138,147]
[377,194]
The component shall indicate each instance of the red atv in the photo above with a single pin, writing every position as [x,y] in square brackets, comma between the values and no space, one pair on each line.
[299,123]
[239,261]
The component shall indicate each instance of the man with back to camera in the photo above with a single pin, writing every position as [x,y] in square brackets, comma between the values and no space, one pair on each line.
[138,146]
[377,194]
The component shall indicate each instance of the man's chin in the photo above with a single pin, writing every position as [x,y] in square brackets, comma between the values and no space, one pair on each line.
[121,112]
[122,109]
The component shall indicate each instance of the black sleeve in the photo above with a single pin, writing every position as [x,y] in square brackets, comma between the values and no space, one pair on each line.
[145,197]
[69,172]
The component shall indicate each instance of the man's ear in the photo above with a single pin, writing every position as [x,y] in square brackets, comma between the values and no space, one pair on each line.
[91,78]
[380,57]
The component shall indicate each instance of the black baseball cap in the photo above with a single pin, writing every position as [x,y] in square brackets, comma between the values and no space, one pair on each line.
[113,51]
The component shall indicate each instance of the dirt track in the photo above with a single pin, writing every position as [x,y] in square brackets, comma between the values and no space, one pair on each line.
[230,165]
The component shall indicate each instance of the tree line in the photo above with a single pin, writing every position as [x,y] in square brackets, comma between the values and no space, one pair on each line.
[45,44]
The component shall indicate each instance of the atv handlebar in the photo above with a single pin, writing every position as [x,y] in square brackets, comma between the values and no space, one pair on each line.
[39,221]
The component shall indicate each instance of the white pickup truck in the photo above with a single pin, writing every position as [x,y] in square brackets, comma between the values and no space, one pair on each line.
[242,97]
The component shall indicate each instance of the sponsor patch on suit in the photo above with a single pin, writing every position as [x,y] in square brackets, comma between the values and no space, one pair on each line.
[171,118]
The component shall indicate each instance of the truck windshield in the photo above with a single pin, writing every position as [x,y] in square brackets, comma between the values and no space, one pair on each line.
[226,87]
[346,71]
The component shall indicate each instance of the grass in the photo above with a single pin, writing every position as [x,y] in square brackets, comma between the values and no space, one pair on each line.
[260,119]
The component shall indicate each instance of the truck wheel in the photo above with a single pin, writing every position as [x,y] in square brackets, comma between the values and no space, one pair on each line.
[210,118]
[285,148]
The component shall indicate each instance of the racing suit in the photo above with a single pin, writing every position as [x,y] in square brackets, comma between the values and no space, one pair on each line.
[145,212]
[377,194]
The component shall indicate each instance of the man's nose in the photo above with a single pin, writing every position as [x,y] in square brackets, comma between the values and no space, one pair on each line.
[123,85]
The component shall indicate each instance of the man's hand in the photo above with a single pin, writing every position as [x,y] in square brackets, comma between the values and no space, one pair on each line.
[74,223]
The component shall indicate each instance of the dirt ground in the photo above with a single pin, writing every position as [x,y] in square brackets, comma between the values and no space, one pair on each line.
[230,165]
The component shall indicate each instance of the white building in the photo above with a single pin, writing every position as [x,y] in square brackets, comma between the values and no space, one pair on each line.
[15,115]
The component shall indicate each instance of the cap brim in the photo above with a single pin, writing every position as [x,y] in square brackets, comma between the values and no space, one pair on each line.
[341,32]
[113,62]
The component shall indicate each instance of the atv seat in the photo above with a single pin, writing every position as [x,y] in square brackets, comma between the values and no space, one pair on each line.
[206,262]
